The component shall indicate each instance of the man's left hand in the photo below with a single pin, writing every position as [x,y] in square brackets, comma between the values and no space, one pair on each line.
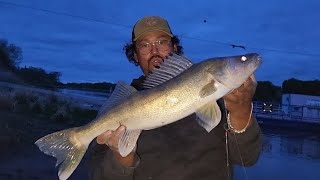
[238,102]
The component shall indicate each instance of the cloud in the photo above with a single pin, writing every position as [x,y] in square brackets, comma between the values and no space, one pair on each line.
[84,39]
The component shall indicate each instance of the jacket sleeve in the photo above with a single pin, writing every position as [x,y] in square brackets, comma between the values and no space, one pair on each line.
[103,166]
[245,148]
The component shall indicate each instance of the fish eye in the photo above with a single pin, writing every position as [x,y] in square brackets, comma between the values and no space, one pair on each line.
[243,58]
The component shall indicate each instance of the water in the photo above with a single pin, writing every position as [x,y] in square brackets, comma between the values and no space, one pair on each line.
[90,99]
[84,94]
[287,154]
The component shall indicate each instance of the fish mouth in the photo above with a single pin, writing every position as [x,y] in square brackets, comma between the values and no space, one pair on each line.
[259,60]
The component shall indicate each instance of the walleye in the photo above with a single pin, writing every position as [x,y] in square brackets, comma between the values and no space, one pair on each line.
[175,90]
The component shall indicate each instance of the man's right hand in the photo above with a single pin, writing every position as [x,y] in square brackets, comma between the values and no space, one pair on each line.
[111,139]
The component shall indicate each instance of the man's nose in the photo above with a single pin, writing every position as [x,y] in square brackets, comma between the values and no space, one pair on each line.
[154,49]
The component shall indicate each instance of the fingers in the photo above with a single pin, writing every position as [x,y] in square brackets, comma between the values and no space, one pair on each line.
[253,78]
[248,86]
[102,139]
[111,138]
[244,92]
[115,136]
[253,81]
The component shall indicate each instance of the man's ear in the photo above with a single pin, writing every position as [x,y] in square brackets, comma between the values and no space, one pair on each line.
[175,48]
[135,57]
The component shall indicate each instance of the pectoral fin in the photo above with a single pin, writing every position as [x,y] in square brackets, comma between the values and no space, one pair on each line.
[128,141]
[209,116]
[208,89]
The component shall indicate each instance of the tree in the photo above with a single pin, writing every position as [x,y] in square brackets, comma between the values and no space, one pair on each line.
[10,55]
[39,77]
[268,92]
[296,86]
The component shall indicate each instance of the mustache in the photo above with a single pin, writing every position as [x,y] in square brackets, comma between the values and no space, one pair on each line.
[155,56]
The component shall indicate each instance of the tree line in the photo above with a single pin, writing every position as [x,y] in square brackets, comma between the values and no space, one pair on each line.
[11,57]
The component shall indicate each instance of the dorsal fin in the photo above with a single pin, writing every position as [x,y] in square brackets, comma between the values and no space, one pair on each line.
[172,66]
[121,91]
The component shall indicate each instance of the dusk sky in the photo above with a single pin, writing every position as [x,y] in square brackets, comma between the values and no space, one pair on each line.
[83,39]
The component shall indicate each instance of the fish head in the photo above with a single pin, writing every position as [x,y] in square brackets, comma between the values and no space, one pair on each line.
[233,71]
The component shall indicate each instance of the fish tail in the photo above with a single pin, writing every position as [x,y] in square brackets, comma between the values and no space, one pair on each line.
[66,147]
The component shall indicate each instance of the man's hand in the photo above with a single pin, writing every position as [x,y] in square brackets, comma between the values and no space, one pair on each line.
[111,139]
[238,103]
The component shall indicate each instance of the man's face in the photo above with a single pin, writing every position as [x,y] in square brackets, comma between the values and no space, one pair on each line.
[151,49]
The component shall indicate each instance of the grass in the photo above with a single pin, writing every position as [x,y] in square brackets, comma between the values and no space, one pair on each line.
[47,105]
[26,116]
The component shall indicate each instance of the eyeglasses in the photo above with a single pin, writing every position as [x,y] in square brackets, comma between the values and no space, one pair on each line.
[161,45]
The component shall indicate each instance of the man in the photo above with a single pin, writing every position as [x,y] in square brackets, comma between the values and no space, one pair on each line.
[182,150]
